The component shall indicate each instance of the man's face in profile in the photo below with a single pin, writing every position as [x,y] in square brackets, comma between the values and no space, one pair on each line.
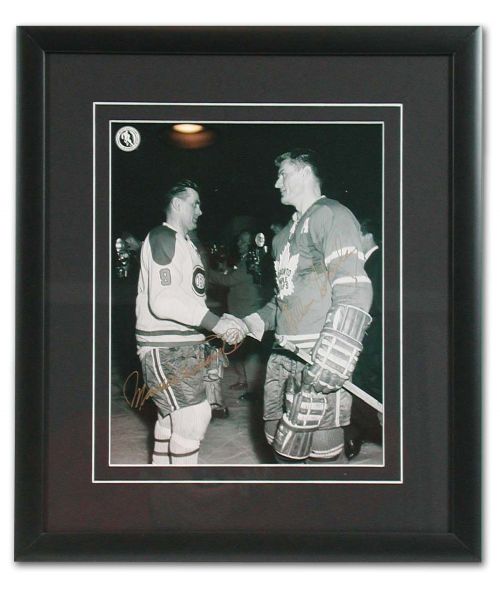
[290,182]
[190,209]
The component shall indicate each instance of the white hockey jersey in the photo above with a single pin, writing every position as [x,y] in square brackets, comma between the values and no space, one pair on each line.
[170,305]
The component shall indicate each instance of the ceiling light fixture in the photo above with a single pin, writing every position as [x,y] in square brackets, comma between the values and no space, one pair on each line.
[188,128]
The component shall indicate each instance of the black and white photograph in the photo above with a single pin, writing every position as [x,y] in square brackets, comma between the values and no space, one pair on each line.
[246,295]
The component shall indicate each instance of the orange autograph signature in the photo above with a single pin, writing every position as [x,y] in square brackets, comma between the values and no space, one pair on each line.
[136,395]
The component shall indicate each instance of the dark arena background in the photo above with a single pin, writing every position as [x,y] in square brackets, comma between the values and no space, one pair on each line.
[236,173]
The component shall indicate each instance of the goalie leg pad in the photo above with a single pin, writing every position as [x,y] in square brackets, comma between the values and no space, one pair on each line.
[327,444]
[291,441]
[305,411]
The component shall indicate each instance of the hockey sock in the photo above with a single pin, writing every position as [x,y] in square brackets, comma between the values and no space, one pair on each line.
[189,425]
[163,433]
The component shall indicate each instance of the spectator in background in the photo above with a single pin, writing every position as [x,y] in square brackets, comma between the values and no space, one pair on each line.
[124,290]
[365,424]
[276,227]
[246,295]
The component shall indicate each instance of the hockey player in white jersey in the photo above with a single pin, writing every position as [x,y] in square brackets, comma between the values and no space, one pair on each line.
[171,313]
[321,305]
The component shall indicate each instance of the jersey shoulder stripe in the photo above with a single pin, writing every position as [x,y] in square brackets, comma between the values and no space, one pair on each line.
[162,243]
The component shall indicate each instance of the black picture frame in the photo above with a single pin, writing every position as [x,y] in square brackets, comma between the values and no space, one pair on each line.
[462,541]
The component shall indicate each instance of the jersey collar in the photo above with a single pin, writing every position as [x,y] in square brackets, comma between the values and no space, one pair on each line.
[297,216]
[165,224]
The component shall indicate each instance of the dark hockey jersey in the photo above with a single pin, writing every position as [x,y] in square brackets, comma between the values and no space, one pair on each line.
[319,262]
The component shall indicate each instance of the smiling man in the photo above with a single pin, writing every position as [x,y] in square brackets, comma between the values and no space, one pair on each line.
[321,306]
[171,313]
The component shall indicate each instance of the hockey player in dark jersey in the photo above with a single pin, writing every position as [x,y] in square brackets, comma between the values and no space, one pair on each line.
[171,312]
[321,306]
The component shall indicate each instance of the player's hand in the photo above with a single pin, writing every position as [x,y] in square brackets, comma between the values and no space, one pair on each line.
[231,329]
[237,332]
[255,326]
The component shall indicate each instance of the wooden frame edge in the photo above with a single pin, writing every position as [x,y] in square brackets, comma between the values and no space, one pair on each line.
[30,293]
[466,299]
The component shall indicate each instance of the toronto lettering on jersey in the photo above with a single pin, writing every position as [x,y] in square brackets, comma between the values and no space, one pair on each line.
[293,315]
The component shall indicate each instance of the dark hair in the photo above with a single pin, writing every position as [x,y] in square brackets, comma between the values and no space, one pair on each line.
[301,157]
[179,189]
[250,233]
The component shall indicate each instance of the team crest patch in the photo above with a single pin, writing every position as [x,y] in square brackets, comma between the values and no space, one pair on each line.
[127,138]
[285,268]
[199,281]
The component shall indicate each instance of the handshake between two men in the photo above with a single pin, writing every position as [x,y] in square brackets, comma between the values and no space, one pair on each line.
[231,329]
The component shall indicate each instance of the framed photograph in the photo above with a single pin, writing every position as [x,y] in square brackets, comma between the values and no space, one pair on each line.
[249,291]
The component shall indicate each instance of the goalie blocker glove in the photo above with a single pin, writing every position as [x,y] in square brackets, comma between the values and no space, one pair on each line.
[336,352]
